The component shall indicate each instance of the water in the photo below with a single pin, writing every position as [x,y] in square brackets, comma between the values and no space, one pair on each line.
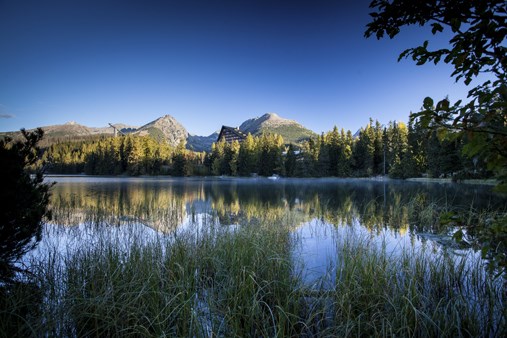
[322,211]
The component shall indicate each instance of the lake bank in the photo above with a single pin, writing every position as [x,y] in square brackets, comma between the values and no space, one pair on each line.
[491,182]
[488,182]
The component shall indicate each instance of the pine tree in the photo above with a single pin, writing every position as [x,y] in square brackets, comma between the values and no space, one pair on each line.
[233,157]
[277,153]
[398,132]
[247,157]
[323,161]
[363,152]
[180,165]
[24,201]
[217,157]
[334,150]
[290,161]
[378,149]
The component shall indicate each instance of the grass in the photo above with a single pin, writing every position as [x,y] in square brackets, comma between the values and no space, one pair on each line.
[214,280]
[415,293]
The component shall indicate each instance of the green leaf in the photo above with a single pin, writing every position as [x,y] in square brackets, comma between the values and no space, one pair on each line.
[443,105]
[455,24]
[428,103]
[436,27]
[442,134]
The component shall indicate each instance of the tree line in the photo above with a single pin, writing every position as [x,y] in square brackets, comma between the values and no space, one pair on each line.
[396,149]
[125,155]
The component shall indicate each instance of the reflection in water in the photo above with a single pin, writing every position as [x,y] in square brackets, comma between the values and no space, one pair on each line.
[320,211]
[166,204]
[207,249]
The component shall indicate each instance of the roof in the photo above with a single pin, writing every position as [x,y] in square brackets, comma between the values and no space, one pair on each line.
[231,134]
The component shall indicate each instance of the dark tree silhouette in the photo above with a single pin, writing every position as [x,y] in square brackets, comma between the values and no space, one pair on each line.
[477,46]
[24,201]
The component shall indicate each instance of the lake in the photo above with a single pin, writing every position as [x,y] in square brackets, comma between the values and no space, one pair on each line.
[321,211]
[222,257]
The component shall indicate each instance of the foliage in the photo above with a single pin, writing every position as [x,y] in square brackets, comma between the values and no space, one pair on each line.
[261,155]
[24,201]
[181,161]
[477,50]
[477,47]
[393,149]
[132,155]
[247,157]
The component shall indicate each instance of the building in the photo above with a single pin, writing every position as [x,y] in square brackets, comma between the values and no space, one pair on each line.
[231,134]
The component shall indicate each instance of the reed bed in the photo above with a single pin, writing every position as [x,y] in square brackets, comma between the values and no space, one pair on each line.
[215,280]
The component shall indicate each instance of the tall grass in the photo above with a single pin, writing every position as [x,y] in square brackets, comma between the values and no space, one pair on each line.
[414,293]
[213,280]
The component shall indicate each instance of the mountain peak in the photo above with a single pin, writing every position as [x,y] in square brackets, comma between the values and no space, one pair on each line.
[271,116]
[290,130]
[165,128]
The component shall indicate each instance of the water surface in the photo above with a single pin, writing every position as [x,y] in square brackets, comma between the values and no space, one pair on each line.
[320,211]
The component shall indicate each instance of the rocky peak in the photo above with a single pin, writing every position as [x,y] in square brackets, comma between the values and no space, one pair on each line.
[290,130]
[165,128]
[267,120]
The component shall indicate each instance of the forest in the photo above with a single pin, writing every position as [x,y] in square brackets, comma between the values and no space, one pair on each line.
[396,150]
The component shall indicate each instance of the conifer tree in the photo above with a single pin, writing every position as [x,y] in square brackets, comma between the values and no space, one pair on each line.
[247,157]
[24,201]
[290,161]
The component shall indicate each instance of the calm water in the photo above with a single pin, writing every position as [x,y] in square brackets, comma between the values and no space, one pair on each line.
[321,210]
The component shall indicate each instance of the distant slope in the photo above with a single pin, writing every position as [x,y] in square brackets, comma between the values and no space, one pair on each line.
[165,128]
[71,131]
[201,143]
[290,130]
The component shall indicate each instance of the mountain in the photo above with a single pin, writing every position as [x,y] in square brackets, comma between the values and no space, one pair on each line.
[168,129]
[201,143]
[72,131]
[290,130]
[165,128]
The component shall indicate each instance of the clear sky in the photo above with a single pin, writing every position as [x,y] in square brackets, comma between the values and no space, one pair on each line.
[207,63]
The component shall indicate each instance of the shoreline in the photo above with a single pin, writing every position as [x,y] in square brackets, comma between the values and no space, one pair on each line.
[487,182]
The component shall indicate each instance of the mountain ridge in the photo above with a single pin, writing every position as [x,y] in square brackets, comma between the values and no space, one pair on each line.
[167,128]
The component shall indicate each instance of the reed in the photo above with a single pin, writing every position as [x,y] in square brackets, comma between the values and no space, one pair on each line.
[215,280]
[414,292]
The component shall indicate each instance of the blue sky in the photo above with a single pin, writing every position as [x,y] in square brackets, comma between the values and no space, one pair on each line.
[207,63]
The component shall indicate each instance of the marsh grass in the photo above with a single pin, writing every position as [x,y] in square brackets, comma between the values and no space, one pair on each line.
[415,293]
[215,280]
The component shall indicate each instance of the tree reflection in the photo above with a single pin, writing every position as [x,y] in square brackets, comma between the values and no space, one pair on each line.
[165,205]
